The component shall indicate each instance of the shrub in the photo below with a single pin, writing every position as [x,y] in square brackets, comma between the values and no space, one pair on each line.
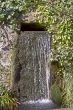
[7,101]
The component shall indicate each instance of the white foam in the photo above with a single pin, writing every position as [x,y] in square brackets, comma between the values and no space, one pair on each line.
[40,101]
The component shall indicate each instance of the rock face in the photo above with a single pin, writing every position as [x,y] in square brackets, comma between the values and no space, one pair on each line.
[31,66]
[5,55]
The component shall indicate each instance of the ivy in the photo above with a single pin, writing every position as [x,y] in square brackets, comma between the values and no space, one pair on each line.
[57,16]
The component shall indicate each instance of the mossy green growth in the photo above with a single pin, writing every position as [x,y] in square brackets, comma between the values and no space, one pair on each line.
[56,94]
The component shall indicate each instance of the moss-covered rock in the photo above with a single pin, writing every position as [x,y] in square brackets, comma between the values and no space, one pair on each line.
[56,94]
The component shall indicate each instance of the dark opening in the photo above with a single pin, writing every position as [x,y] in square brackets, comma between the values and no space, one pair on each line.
[32,27]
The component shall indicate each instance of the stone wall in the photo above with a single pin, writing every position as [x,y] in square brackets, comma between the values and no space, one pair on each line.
[5,56]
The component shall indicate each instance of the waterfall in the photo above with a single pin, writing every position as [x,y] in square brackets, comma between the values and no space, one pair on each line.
[33,54]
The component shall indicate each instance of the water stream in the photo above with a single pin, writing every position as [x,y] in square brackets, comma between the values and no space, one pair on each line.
[34,56]
[32,71]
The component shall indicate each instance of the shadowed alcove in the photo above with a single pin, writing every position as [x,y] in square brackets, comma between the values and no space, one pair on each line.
[32,27]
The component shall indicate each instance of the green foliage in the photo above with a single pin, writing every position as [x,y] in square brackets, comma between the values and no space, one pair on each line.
[57,15]
[6,99]
[56,94]
[12,11]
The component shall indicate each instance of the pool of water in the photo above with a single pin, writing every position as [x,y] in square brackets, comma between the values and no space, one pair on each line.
[43,104]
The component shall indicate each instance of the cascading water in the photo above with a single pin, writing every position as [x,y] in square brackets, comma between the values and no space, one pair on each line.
[35,71]
[34,57]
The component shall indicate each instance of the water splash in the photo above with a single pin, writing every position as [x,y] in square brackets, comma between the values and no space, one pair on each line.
[43,104]
[39,101]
